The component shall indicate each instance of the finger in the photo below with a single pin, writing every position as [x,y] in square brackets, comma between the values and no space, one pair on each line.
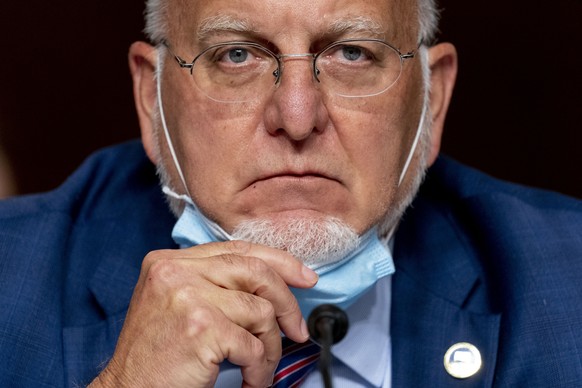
[291,270]
[233,271]
[254,276]
[256,315]
[249,352]
[215,338]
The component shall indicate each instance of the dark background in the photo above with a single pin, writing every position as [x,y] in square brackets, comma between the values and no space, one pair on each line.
[65,89]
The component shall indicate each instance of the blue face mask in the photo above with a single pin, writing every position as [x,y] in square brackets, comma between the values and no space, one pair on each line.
[340,283]
[343,282]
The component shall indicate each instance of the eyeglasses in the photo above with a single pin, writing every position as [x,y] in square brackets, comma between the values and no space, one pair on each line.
[244,71]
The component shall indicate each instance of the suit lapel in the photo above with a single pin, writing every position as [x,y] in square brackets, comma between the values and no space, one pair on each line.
[89,345]
[437,300]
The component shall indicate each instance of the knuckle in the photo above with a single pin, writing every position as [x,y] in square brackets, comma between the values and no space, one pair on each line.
[239,247]
[257,266]
[163,271]
[252,266]
[183,296]
[228,259]
[257,349]
[266,310]
[262,276]
[260,308]
[247,301]
[151,258]
[200,320]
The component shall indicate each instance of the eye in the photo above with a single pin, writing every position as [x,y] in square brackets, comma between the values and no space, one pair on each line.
[352,53]
[238,55]
[236,59]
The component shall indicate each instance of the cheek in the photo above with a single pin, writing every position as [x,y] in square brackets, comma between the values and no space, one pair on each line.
[375,136]
[210,140]
[372,136]
[378,167]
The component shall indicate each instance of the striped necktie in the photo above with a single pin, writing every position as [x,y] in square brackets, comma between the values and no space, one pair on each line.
[296,362]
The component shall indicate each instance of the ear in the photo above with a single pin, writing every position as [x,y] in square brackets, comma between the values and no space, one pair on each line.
[142,64]
[443,66]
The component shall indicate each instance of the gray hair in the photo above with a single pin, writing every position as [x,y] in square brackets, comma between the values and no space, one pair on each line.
[156,24]
[155,20]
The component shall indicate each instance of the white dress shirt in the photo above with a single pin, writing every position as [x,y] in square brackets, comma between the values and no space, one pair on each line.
[363,358]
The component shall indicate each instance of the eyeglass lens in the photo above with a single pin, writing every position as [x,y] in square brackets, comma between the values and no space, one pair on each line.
[246,71]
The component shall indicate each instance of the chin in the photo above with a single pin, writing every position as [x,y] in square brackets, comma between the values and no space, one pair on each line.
[312,237]
[292,215]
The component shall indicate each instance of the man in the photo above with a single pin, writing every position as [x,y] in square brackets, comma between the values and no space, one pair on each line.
[304,129]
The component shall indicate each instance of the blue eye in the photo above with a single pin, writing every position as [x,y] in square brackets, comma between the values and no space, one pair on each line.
[352,53]
[238,55]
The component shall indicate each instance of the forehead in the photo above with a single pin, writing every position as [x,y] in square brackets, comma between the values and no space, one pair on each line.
[385,19]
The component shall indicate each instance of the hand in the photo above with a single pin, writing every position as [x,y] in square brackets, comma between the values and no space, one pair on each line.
[193,308]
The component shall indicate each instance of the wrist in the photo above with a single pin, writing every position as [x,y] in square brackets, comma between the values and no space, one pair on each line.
[108,378]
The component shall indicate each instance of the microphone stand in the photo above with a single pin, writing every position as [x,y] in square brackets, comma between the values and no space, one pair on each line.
[328,324]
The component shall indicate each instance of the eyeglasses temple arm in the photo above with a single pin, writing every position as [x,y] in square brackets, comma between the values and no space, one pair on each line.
[181,62]
[412,53]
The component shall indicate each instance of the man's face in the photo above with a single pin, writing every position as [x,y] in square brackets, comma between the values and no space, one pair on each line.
[297,151]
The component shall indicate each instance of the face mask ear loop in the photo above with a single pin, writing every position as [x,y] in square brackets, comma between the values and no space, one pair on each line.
[166,132]
[416,139]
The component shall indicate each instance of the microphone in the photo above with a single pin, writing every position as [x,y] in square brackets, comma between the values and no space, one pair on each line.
[328,324]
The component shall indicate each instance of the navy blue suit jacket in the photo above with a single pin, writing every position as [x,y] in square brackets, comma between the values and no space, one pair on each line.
[477,261]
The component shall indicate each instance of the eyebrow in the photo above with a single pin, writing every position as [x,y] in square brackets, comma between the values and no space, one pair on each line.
[223,23]
[357,25]
[360,25]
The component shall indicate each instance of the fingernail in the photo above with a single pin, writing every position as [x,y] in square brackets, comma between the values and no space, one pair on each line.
[309,275]
[304,329]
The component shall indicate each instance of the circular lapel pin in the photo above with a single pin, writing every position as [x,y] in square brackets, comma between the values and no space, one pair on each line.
[462,360]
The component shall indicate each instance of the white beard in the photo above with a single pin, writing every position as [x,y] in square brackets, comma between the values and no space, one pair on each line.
[315,242]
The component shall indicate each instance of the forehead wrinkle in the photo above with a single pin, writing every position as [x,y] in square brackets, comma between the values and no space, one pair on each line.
[223,23]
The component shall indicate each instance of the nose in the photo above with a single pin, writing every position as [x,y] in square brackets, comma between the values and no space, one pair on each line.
[296,107]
